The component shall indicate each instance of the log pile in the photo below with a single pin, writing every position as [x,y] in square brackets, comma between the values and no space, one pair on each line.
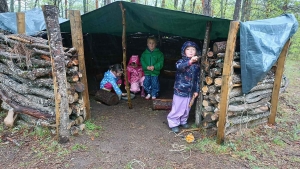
[26,83]
[243,110]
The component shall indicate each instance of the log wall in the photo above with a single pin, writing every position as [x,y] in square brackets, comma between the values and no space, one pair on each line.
[252,108]
[26,79]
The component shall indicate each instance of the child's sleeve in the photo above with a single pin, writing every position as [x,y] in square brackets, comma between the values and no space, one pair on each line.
[160,62]
[181,64]
[115,86]
[143,62]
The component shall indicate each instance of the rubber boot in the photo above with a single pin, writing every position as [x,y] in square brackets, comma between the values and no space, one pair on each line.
[142,92]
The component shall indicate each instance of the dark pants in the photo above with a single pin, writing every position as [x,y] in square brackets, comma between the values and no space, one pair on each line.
[151,85]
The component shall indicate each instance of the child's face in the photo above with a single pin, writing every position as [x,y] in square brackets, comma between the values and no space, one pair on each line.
[118,73]
[151,44]
[190,52]
[133,64]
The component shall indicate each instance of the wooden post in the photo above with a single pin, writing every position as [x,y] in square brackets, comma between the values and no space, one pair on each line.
[77,42]
[277,82]
[198,117]
[226,79]
[124,55]
[21,22]
[51,13]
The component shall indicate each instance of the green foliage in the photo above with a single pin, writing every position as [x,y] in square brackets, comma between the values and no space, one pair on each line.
[41,132]
[78,147]
[210,146]
[278,141]
[90,125]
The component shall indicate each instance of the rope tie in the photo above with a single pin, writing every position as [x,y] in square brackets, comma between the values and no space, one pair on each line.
[180,148]
[138,162]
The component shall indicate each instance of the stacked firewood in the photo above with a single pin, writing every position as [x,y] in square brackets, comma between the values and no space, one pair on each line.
[243,110]
[26,84]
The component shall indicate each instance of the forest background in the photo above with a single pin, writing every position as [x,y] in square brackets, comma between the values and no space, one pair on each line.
[243,10]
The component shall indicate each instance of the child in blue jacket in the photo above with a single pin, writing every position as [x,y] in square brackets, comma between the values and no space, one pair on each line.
[112,79]
[186,86]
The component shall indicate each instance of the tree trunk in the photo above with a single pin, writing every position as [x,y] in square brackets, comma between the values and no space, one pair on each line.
[222,8]
[194,4]
[106,97]
[24,89]
[24,109]
[22,100]
[32,75]
[255,111]
[248,11]
[124,47]
[3,6]
[206,42]
[245,107]
[246,8]
[260,95]
[183,5]
[162,104]
[19,5]
[226,3]
[250,124]
[237,8]
[84,6]
[12,5]
[58,71]
[219,47]
[163,3]
[206,5]
[35,3]
[175,4]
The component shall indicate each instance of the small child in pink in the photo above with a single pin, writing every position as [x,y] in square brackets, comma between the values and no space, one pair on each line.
[135,75]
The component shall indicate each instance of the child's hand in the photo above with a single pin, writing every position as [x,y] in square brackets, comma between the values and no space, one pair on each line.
[194,59]
[195,94]
[150,68]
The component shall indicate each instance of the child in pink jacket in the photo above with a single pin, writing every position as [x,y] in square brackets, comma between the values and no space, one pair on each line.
[135,75]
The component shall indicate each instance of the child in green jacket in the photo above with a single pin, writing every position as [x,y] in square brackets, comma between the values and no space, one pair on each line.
[152,62]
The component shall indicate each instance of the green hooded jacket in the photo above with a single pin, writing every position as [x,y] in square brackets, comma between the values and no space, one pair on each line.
[154,58]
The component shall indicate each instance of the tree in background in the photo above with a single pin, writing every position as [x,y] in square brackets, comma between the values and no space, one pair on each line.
[236,14]
[163,3]
[12,7]
[175,4]
[3,6]
[206,5]
[182,5]
[193,7]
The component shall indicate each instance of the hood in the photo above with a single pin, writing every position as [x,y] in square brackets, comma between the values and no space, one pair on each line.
[134,58]
[189,44]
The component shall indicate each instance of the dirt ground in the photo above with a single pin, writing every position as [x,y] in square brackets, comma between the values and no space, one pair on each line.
[133,138]
[141,135]
[129,138]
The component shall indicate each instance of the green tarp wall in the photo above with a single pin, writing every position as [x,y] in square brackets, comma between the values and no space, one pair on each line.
[149,19]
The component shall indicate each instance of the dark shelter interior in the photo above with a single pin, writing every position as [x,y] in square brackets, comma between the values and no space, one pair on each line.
[103,50]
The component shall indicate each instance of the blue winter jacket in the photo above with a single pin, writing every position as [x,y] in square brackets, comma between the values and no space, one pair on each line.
[187,76]
[112,79]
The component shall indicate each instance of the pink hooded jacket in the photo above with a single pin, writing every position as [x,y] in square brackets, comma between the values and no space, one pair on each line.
[134,73]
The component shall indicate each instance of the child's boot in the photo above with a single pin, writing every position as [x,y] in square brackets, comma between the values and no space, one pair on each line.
[142,92]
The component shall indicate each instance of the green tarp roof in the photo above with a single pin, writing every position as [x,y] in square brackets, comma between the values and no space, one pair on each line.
[149,19]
